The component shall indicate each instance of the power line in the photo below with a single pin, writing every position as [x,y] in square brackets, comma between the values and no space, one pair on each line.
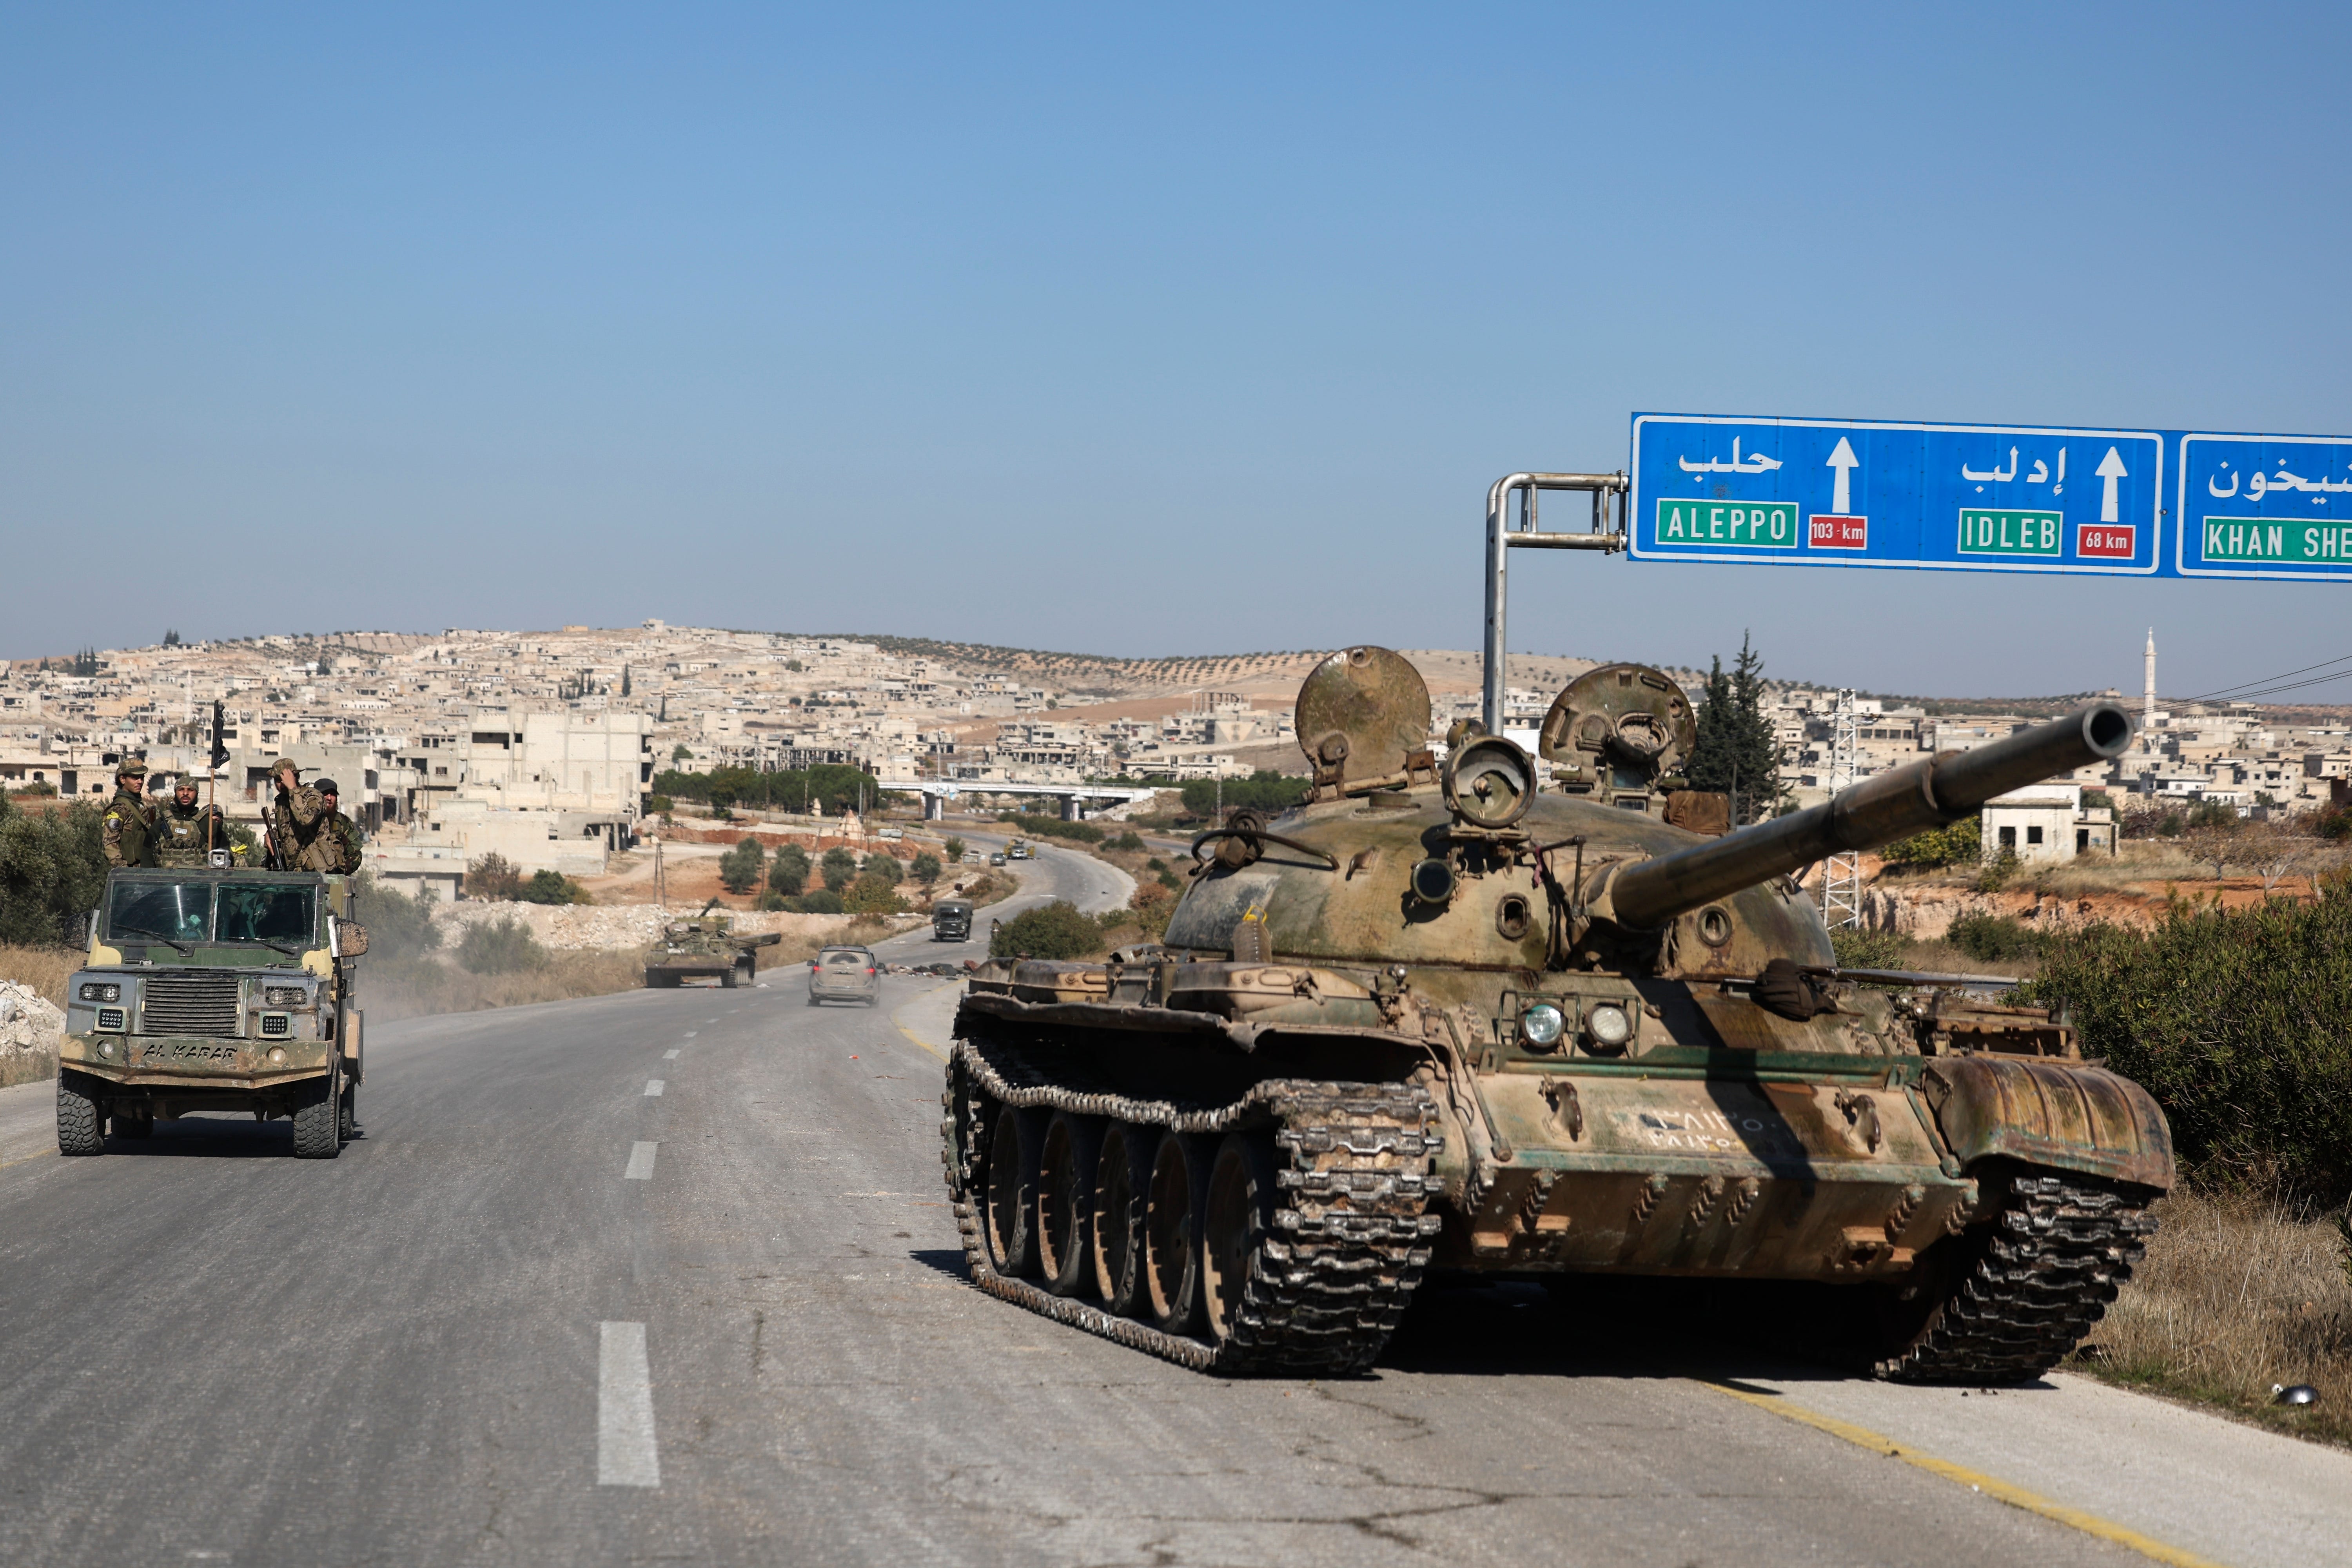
[2266,681]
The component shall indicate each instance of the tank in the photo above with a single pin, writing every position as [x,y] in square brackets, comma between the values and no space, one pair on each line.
[704,947]
[215,989]
[1511,1014]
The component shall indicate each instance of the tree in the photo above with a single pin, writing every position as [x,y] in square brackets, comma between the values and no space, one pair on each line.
[1736,754]
[740,869]
[1051,931]
[679,753]
[839,867]
[926,869]
[554,887]
[883,866]
[820,901]
[52,872]
[954,850]
[171,636]
[788,873]
[493,878]
[871,894]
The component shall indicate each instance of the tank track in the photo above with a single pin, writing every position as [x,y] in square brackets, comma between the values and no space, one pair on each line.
[1349,1238]
[2060,1250]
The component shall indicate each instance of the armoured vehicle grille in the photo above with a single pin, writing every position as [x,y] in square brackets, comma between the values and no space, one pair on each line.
[197,1003]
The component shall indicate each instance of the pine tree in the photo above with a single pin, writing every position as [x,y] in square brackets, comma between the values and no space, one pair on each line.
[1736,754]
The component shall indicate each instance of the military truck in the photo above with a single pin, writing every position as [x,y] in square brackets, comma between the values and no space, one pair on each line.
[951,920]
[216,988]
[704,947]
[1506,1013]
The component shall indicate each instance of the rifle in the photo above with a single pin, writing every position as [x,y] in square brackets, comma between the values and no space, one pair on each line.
[212,784]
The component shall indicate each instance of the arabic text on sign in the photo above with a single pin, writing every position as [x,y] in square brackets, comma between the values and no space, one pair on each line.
[1757,463]
[1743,525]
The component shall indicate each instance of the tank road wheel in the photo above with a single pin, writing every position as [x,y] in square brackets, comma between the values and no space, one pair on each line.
[1171,1259]
[318,1118]
[1009,1221]
[1065,1190]
[81,1116]
[1235,1220]
[1122,1180]
[728,979]
[2008,1301]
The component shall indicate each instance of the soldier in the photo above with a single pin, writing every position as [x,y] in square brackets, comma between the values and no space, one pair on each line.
[296,825]
[128,833]
[337,832]
[186,833]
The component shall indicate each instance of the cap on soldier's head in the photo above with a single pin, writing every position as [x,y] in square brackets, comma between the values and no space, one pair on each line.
[280,764]
[325,786]
[131,768]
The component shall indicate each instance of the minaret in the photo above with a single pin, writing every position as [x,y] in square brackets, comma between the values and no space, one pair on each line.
[2148,684]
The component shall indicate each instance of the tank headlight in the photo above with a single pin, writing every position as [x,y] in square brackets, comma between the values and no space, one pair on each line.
[1610,1025]
[106,1048]
[278,1056]
[283,996]
[1542,1024]
[92,991]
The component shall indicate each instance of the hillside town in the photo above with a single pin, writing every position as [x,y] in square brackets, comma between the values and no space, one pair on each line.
[544,747]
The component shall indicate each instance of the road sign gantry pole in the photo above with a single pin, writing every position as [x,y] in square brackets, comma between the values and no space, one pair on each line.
[1502,539]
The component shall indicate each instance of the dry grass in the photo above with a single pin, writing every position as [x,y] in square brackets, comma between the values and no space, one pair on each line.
[417,989]
[2235,1297]
[45,969]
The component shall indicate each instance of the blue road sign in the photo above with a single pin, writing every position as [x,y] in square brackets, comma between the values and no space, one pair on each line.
[2265,506]
[1970,497]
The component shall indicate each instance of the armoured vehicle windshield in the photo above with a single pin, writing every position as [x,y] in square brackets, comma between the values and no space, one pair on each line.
[203,910]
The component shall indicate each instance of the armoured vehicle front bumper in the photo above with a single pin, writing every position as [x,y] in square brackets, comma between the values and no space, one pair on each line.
[195,1061]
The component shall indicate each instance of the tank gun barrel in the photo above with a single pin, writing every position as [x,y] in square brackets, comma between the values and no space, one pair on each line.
[1926,795]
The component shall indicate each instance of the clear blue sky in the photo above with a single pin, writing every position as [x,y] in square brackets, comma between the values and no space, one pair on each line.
[1106,332]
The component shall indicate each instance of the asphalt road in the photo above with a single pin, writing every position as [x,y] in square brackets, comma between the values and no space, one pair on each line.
[545,1313]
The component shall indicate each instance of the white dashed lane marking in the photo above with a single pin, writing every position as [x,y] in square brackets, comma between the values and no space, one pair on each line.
[626,1453]
[641,1163]
[653,1088]
[670,1056]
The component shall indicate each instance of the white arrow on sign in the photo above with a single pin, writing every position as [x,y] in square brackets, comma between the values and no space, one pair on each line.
[1845,463]
[2110,468]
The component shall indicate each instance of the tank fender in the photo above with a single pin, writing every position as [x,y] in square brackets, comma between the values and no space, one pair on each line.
[2049,1113]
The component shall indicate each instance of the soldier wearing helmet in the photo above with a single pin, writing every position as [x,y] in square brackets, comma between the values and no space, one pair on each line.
[337,832]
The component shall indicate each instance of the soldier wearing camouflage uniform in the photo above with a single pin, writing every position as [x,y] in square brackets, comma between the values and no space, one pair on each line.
[338,832]
[186,833]
[299,823]
[128,835]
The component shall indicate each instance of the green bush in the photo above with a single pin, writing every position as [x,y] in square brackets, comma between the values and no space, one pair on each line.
[1264,789]
[400,928]
[1859,949]
[1994,938]
[1051,931]
[1054,828]
[742,867]
[1998,871]
[818,902]
[788,873]
[2238,1022]
[659,805]
[885,867]
[493,878]
[872,894]
[839,869]
[926,869]
[554,887]
[954,848]
[500,947]
[1960,844]
[1130,841]
[52,873]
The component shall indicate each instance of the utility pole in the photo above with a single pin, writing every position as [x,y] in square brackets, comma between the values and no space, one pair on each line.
[1841,874]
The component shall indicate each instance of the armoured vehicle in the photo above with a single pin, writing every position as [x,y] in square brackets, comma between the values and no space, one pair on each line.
[1438,1017]
[213,988]
[704,947]
[951,920]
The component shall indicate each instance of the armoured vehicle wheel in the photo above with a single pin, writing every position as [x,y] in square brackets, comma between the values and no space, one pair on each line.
[318,1118]
[81,1118]
[349,1119]
[1235,1221]
[1171,1266]
[1122,1177]
[1010,1192]
[134,1124]
[1066,1185]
